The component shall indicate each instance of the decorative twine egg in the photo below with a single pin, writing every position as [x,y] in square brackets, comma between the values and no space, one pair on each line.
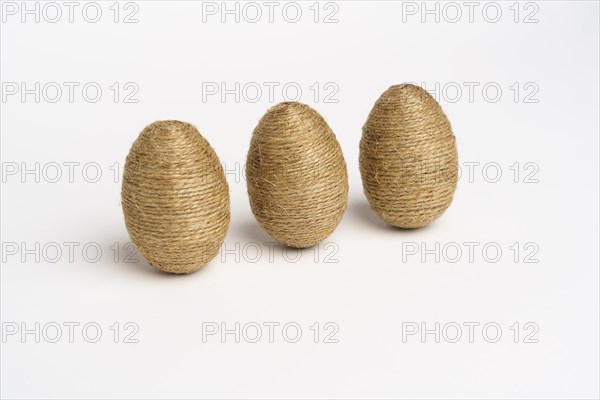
[408,157]
[175,197]
[296,175]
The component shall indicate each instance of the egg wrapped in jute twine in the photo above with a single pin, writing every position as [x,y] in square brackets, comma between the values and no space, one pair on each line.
[408,157]
[296,175]
[175,197]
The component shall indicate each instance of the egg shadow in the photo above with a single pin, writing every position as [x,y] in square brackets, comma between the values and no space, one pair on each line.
[362,212]
[251,231]
[129,260]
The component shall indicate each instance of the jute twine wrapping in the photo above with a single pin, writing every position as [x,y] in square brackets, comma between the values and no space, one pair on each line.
[175,197]
[408,157]
[296,175]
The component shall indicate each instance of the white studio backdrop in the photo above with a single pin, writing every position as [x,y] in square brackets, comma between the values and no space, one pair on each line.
[496,299]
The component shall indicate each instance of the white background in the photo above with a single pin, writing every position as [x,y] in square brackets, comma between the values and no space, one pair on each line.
[363,279]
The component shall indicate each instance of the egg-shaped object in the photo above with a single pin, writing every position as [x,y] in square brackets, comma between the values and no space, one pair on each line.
[175,197]
[296,175]
[408,157]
